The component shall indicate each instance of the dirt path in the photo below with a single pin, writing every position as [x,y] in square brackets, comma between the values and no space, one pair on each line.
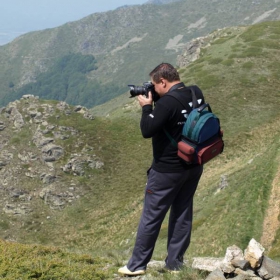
[271,222]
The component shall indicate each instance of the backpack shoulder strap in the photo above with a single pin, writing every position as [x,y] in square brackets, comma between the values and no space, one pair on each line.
[194,99]
[178,98]
[176,95]
[172,140]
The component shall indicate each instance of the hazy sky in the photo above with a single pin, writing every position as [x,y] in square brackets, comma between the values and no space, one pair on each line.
[21,16]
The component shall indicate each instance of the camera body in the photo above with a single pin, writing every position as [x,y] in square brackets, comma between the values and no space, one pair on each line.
[144,90]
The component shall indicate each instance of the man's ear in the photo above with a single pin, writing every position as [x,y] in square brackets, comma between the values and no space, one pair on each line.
[163,81]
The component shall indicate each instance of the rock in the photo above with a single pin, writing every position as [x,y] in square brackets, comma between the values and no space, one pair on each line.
[62,106]
[269,269]
[227,268]
[29,96]
[191,52]
[2,163]
[208,264]
[27,156]
[244,277]
[24,164]
[247,273]
[16,116]
[47,178]
[16,210]
[254,253]
[88,116]
[51,152]
[33,114]
[224,183]
[243,264]
[40,141]
[16,193]
[79,162]
[233,253]
[217,274]
[237,266]
[156,264]
[95,164]
[80,109]
[2,126]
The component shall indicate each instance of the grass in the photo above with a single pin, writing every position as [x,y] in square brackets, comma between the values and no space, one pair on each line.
[22,262]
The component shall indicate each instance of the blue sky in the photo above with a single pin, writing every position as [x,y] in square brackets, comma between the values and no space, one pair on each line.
[21,16]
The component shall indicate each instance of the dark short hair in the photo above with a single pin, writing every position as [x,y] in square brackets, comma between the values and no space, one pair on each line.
[165,71]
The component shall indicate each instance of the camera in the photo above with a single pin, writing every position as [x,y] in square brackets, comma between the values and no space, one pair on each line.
[144,90]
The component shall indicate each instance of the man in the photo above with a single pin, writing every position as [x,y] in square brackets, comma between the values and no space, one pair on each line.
[171,182]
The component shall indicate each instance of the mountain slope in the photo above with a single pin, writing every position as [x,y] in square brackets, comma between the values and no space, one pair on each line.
[127,43]
[76,182]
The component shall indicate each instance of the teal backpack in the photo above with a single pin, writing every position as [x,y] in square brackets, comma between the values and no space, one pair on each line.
[202,137]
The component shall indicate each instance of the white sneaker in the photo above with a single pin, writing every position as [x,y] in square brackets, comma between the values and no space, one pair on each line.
[125,271]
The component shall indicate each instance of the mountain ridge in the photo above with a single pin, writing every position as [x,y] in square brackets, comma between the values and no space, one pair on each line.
[123,42]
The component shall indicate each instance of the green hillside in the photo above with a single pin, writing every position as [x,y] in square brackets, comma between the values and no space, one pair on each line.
[239,75]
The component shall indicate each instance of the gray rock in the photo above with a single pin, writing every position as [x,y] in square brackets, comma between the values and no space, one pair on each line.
[247,273]
[224,183]
[62,106]
[233,253]
[44,141]
[16,117]
[16,210]
[88,116]
[242,264]
[29,96]
[269,268]
[217,274]
[47,178]
[16,193]
[191,52]
[79,109]
[244,277]
[207,264]
[2,163]
[52,152]
[2,126]
[95,164]
[33,114]
[227,267]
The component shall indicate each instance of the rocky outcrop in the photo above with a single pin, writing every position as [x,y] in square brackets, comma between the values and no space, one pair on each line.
[34,165]
[193,49]
[250,265]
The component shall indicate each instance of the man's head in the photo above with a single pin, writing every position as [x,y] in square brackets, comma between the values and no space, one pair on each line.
[163,77]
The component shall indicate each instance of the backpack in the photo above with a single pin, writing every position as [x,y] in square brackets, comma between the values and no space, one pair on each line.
[202,137]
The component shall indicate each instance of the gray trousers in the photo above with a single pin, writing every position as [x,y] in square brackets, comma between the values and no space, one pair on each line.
[165,190]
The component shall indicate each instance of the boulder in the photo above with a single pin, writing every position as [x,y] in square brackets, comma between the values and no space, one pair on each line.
[254,253]
[51,152]
[208,264]
[217,274]
[269,269]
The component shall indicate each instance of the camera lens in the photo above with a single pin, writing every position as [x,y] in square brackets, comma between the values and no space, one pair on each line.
[137,90]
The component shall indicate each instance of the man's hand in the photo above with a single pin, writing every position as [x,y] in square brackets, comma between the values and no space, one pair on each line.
[143,100]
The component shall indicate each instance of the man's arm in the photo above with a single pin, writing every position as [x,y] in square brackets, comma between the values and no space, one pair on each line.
[152,121]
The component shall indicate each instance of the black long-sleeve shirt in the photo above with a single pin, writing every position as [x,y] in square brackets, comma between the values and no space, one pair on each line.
[169,114]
